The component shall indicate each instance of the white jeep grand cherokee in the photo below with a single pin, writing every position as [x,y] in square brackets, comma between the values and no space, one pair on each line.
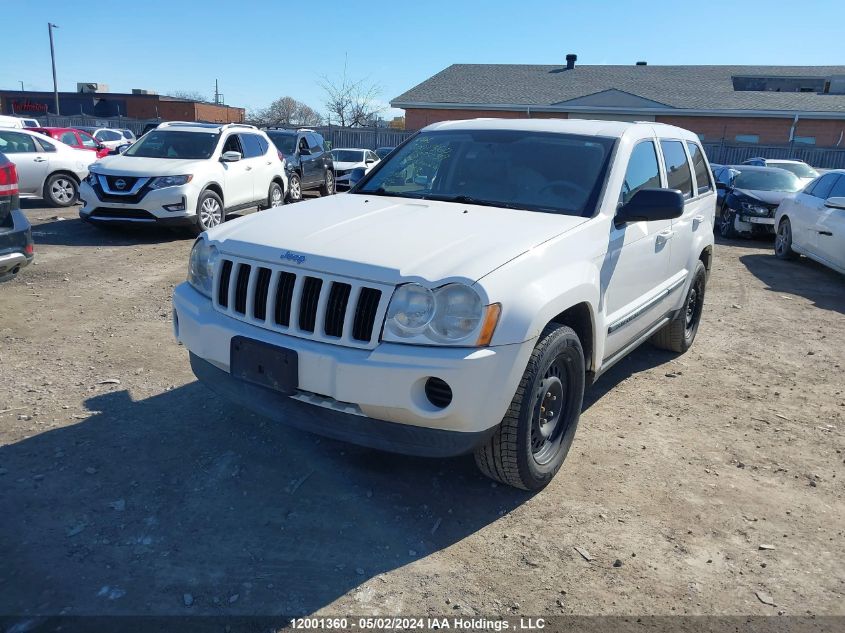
[462,295]
[186,174]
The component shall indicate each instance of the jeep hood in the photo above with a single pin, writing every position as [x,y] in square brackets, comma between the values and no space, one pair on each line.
[136,166]
[390,239]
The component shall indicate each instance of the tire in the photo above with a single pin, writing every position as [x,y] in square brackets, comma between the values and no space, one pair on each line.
[679,333]
[726,224]
[210,212]
[783,241]
[523,452]
[327,188]
[61,190]
[294,188]
[275,196]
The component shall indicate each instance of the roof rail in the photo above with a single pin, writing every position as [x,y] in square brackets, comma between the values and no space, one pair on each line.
[229,125]
[205,124]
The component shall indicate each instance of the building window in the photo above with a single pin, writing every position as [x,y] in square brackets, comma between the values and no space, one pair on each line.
[747,138]
[805,140]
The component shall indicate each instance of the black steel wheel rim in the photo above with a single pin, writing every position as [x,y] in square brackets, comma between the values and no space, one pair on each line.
[695,303]
[727,223]
[548,424]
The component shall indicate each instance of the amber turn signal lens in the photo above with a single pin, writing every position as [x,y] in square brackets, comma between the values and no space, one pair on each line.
[491,319]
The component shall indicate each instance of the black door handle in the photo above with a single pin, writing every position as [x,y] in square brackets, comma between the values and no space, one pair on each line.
[826,233]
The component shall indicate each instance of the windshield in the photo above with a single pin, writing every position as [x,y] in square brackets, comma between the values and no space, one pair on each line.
[285,143]
[535,171]
[768,180]
[172,144]
[347,156]
[801,170]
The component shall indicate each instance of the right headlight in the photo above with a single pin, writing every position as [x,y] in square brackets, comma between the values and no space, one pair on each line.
[201,266]
[451,314]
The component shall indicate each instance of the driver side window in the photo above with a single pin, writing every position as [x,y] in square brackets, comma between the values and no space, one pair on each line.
[642,171]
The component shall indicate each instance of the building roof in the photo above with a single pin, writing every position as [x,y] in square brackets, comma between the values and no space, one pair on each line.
[554,88]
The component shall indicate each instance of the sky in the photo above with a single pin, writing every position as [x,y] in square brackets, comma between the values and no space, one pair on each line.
[263,49]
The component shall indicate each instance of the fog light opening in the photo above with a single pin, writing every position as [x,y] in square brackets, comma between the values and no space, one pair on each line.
[438,392]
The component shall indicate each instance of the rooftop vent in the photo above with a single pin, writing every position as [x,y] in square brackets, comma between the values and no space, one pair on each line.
[642,63]
[570,61]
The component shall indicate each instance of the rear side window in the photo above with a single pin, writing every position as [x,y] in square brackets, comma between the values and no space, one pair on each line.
[252,145]
[128,134]
[699,167]
[838,190]
[107,135]
[642,171]
[16,143]
[678,174]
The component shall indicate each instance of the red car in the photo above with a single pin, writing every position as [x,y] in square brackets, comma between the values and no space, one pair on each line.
[74,138]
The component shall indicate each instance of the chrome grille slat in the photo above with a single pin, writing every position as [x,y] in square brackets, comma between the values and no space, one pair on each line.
[340,310]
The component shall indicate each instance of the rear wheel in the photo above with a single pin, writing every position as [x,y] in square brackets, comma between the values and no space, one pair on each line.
[61,190]
[327,188]
[783,241]
[679,333]
[276,197]
[530,444]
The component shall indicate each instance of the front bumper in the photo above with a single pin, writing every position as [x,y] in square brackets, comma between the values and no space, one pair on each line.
[367,388]
[16,250]
[149,208]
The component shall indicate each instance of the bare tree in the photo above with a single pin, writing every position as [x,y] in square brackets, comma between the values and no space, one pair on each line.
[286,111]
[190,95]
[349,102]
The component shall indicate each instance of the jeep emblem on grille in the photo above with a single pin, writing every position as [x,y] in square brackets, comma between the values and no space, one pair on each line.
[294,257]
[120,183]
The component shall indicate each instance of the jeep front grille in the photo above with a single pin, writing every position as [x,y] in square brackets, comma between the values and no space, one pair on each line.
[304,304]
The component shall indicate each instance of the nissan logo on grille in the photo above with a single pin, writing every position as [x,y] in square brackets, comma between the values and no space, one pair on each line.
[120,183]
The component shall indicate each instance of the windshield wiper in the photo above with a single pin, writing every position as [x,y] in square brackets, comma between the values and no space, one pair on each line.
[381,191]
[462,199]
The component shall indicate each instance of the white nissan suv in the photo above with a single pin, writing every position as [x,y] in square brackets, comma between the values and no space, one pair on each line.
[463,294]
[186,174]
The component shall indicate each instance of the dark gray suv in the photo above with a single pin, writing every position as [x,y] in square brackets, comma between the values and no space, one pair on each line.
[309,164]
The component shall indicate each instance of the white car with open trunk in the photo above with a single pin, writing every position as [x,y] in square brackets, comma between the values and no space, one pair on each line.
[462,296]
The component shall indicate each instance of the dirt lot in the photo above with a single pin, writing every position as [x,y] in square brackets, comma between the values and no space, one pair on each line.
[152,496]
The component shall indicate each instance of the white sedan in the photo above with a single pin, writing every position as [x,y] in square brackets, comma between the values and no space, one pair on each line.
[812,222]
[345,160]
[46,168]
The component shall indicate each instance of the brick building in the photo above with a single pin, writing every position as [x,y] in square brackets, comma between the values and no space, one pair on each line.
[767,105]
[112,104]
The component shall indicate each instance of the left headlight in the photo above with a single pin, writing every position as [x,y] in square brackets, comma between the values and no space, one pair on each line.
[201,266]
[449,314]
[754,209]
[169,181]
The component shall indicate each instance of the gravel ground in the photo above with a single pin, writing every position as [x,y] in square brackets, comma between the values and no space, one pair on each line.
[709,483]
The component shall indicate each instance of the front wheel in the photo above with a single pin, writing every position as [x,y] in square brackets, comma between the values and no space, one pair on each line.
[327,188]
[726,224]
[783,241]
[529,446]
[210,211]
[60,190]
[679,333]
[294,188]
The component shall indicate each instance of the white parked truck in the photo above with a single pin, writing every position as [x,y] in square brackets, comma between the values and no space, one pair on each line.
[464,293]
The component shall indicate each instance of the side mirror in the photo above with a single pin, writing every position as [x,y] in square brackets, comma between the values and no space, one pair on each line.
[304,151]
[231,157]
[648,205]
[721,186]
[835,202]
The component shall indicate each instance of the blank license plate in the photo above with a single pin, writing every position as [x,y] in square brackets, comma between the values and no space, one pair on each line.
[267,365]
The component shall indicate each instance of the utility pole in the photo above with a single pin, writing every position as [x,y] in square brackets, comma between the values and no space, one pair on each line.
[21,86]
[50,27]
[216,93]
